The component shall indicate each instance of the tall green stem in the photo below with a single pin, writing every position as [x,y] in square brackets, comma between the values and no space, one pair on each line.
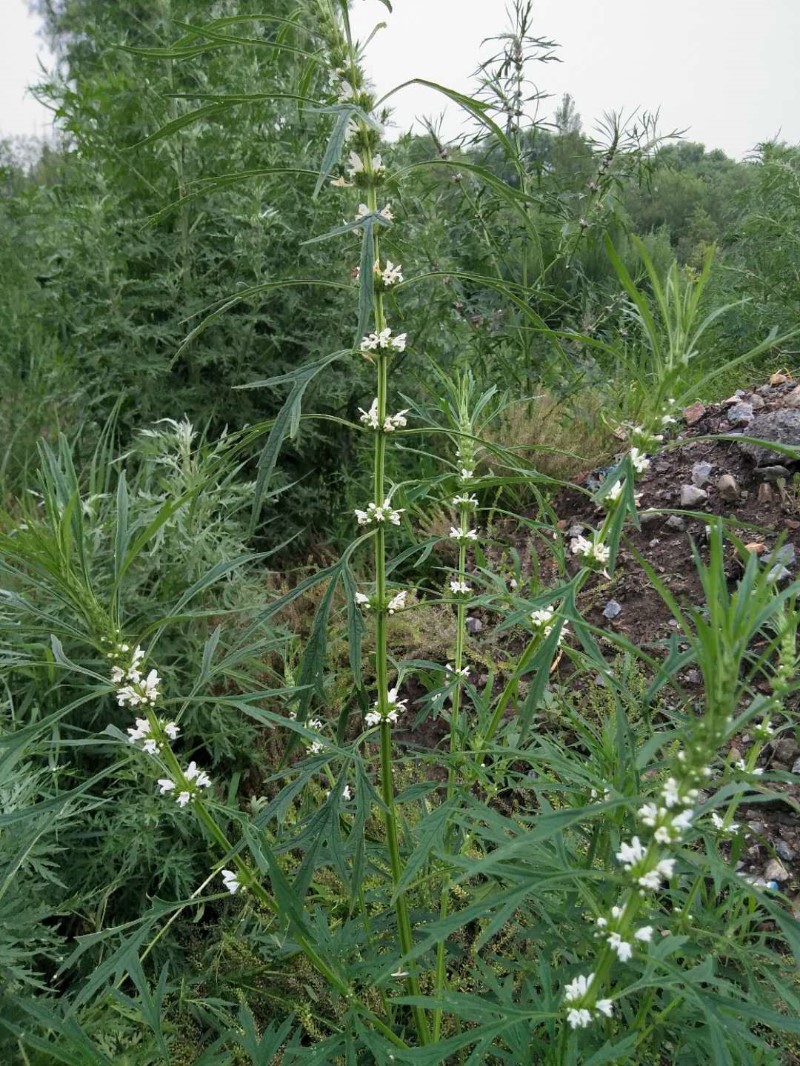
[381,643]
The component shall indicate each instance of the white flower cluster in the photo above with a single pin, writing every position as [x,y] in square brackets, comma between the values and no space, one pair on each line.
[544,620]
[575,995]
[384,340]
[388,275]
[379,514]
[463,672]
[463,536]
[639,460]
[187,786]
[394,707]
[614,493]
[397,602]
[594,550]
[371,419]
[231,881]
[460,588]
[467,500]
[609,930]
[134,690]
[363,212]
[151,734]
[374,166]
[648,868]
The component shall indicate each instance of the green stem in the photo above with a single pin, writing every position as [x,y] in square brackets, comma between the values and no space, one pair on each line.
[455,745]
[381,645]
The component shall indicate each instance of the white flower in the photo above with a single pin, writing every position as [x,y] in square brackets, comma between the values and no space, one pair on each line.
[198,776]
[614,492]
[460,588]
[370,418]
[463,534]
[463,672]
[347,793]
[681,822]
[391,274]
[579,1018]
[466,474]
[631,854]
[140,731]
[645,934]
[172,729]
[763,729]
[666,868]
[386,212]
[465,501]
[361,213]
[649,814]
[577,988]
[623,949]
[393,422]
[639,460]
[117,674]
[596,550]
[183,798]
[667,420]
[150,686]
[362,600]
[356,166]
[397,602]
[600,552]
[165,785]
[231,881]
[373,718]
[671,793]
[719,823]
[543,618]
[605,1006]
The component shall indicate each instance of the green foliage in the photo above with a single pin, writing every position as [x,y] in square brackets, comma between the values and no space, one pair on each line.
[266,866]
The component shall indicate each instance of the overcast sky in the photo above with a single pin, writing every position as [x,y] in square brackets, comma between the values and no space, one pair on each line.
[725,69]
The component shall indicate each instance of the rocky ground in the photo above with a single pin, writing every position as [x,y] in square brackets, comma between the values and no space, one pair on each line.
[757,491]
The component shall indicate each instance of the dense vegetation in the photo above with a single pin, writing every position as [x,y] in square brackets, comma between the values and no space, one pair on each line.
[265,799]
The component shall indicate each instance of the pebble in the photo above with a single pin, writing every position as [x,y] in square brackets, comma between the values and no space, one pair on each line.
[796,767]
[694,677]
[785,555]
[792,399]
[776,871]
[785,749]
[765,493]
[727,488]
[771,473]
[756,401]
[693,413]
[701,472]
[757,828]
[612,609]
[740,412]
[474,625]
[784,850]
[691,496]
[675,523]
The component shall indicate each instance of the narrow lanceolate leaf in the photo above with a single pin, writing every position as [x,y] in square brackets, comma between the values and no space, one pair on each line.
[285,425]
[333,152]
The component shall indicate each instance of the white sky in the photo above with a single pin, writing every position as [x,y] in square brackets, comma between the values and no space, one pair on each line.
[726,69]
